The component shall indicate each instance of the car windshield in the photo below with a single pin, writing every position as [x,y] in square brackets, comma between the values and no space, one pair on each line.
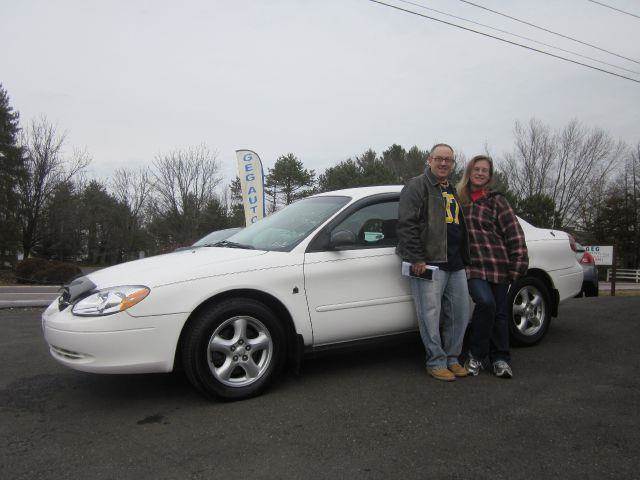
[283,230]
[215,237]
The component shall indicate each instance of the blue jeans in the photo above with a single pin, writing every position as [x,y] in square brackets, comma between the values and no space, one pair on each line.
[489,330]
[442,307]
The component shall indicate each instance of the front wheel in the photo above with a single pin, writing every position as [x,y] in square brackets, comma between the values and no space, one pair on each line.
[530,311]
[234,350]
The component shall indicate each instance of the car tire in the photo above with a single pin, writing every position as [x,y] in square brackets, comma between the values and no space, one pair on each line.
[529,311]
[234,349]
[590,289]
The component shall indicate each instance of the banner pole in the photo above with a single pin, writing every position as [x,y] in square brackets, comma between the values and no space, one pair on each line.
[613,272]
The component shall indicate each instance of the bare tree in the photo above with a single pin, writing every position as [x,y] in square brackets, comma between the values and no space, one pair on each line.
[527,167]
[569,167]
[46,167]
[583,163]
[132,189]
[184,184]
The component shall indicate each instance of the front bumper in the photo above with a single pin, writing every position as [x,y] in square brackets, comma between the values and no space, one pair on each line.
[118,343]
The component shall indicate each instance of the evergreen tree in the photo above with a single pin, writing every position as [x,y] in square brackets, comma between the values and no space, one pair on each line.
[366,170]
[538,210]
[289,179]
[395,158]
[416,162]
[271,194]
[102,225]
[500,184]
[214,218]
[405,164]
[373,171]
[611,226]
[11,172]
[236,210]
[343,175]
[62,227]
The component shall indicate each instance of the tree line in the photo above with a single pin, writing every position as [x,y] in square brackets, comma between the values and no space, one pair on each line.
[576,178]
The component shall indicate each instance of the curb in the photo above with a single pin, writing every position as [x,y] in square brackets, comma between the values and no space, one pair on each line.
[6,304]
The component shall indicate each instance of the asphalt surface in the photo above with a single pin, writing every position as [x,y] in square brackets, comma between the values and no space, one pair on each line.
[571,412]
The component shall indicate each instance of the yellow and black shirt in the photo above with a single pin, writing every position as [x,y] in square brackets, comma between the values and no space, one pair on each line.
[453,217]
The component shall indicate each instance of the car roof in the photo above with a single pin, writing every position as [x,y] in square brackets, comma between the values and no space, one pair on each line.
[362,192]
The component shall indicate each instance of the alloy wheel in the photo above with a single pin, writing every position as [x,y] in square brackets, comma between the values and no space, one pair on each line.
[529,310]
[239,351]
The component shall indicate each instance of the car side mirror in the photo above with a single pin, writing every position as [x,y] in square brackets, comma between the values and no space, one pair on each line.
[342,239]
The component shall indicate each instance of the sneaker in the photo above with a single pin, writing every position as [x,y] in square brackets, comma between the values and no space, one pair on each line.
[440,373]
[473,365]
[502,369]
[458,370]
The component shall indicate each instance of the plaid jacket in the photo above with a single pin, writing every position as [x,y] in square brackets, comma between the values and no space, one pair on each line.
[496,240]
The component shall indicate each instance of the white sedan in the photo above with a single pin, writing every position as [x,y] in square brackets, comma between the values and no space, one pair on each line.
[319,273]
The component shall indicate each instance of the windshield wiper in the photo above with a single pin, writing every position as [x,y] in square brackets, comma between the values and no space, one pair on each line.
[227,243]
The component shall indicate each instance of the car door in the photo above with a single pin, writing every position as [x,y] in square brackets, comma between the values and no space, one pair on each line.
[357,291]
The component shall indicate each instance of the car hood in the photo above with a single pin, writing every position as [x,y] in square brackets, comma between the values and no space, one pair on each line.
[174,267]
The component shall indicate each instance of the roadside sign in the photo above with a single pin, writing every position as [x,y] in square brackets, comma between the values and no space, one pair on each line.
[602,254]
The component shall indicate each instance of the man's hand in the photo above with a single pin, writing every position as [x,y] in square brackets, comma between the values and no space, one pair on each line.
[418,268]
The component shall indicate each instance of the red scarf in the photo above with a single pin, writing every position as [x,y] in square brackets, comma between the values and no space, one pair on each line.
[478,194]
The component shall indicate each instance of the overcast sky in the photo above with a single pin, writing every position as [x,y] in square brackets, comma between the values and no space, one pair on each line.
[324,79]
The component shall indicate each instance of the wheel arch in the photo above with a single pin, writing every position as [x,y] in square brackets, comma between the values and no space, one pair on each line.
[546,280]
[294,340]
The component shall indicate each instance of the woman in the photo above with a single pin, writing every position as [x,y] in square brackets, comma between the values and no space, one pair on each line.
[498,257]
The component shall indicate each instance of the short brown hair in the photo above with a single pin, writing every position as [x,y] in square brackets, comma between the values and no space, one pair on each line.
[440,145]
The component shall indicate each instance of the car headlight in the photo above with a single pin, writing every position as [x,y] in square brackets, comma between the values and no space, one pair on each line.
[110,300]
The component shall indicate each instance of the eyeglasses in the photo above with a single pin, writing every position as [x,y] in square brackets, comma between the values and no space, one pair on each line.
[442,159]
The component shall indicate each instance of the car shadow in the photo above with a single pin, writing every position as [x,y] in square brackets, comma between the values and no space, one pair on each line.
[404,351]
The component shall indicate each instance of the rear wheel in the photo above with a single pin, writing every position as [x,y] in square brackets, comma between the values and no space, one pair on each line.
[590,289]
[530,311]
[234,350]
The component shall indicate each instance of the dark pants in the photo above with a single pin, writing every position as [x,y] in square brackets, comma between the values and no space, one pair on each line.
[489,335]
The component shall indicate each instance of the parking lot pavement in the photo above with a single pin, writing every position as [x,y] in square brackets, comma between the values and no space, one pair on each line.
[571,411]
[16,296]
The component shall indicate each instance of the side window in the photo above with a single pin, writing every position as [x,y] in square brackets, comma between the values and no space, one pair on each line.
[373,225]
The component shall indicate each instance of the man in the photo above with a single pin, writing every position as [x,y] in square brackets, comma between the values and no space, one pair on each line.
[432,232]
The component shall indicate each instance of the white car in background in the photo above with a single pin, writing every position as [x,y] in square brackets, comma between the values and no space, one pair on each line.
[319,273]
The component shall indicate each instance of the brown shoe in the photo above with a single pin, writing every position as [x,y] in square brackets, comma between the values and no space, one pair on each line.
[458,370]
[441,374]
